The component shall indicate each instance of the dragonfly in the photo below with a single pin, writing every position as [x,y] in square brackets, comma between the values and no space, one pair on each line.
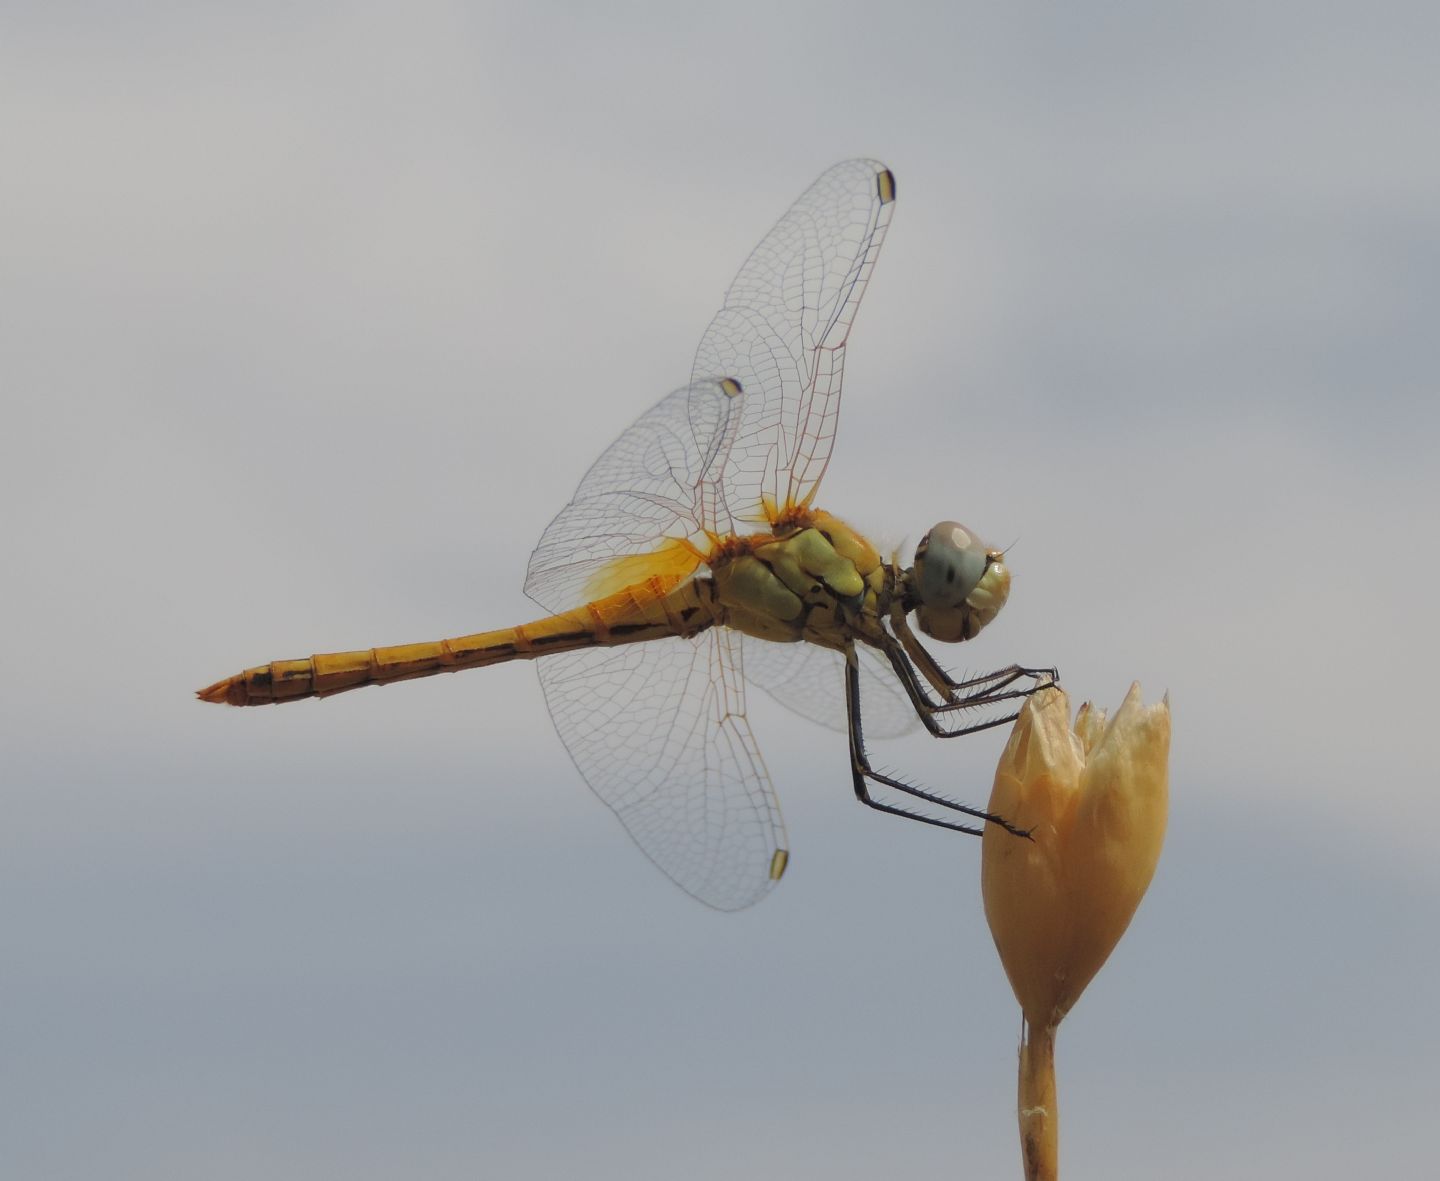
[693,557]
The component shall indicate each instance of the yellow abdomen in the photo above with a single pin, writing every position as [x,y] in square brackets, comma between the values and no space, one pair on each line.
[654,608]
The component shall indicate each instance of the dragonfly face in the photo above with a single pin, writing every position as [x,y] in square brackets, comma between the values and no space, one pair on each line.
[958,583]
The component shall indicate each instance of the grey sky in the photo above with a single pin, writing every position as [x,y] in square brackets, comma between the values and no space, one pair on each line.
[310,322]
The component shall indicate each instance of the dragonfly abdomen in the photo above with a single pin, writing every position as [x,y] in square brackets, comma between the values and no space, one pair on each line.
[638,613]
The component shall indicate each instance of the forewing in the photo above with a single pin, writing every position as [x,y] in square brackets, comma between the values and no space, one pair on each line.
[652,490]
[810,680]
[782,334]
[658,730]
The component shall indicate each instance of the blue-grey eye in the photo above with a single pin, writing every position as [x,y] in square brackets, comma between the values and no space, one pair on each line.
[949,563]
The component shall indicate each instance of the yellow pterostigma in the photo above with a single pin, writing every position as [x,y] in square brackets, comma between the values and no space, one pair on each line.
[693,558]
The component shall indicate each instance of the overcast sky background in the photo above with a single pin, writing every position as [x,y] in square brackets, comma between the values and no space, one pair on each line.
[311,318]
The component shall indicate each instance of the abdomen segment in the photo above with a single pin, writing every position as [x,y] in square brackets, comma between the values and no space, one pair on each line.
[643,612]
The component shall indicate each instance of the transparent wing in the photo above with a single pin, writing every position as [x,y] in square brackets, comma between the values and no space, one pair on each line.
[654,485]
[811,681]
[782,335]
[658,730]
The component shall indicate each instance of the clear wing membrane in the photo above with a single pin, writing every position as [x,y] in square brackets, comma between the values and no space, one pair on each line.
[810,680]
[658,730]
[654,482]
[782,335]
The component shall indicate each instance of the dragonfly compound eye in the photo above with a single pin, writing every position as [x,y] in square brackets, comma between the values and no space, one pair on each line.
[949,563]
[961,583]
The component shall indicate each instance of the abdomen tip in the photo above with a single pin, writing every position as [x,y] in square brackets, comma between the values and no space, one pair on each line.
[226,692]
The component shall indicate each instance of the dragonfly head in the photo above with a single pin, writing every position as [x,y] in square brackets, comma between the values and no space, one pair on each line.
[958,583]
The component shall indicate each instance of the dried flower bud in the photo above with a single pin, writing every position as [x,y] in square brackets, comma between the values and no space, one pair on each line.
[1094,799]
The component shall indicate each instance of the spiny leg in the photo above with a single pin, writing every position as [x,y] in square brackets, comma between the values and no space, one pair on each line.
[862,771]
[979,692]
[950,690]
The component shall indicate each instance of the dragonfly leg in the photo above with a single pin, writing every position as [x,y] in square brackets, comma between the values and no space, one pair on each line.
[918,656]
[951,690]
[864,774]
[976,693]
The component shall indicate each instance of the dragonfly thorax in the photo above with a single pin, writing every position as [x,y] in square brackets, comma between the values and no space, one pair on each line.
[816,579]
[957,585]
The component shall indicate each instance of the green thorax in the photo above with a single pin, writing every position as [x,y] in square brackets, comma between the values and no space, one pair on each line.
[816,580]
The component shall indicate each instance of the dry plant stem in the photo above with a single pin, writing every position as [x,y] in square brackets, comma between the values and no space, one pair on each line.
[1039,1119]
